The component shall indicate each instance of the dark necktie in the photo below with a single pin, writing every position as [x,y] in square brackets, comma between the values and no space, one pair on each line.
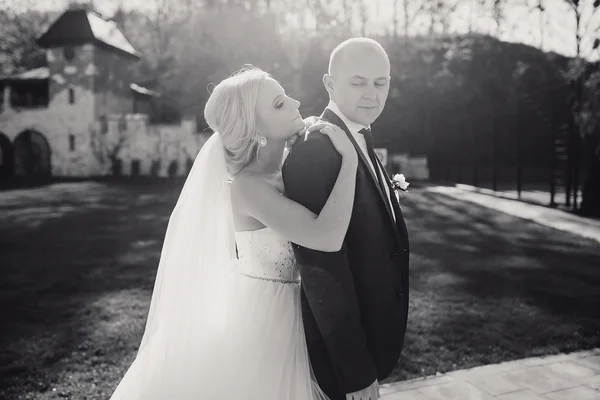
[368,135]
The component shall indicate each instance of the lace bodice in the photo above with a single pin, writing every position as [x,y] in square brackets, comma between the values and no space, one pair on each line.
[264,254]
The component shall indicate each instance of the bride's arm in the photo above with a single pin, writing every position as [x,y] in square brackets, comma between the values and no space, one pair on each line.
[324,232]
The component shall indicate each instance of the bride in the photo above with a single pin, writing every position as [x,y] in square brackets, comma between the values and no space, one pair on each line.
[225,319]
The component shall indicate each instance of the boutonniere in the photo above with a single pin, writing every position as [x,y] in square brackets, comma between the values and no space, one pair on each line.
[399,183]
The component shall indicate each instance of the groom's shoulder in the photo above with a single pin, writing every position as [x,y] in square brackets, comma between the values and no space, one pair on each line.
[314,138]
[313,142]
[315,148]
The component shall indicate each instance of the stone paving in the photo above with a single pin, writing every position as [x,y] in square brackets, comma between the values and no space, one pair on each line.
[552,217]
[574,376]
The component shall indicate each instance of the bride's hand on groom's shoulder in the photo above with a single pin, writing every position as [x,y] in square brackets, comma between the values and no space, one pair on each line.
[338,138]
[369,393]
[308,122]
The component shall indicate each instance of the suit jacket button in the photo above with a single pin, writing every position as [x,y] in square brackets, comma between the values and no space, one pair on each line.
[395,256]
[398,295]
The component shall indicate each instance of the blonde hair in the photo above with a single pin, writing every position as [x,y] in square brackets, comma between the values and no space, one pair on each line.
[231,112]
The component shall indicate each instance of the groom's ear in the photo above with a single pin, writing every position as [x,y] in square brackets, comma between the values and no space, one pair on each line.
[328,82]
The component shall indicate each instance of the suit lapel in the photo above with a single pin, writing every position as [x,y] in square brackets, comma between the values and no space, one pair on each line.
[388,182]
[400,223]
[330,116]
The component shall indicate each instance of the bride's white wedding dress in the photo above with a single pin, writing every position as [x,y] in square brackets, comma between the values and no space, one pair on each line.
[258,349]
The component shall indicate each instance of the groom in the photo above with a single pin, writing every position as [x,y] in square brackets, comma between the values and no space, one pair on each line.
[354,301]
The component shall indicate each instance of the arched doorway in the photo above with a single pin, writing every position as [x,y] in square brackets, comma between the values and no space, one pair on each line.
[7,160]
[32,155]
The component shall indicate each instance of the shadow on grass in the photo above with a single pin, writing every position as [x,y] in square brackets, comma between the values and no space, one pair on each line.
[488,287]
[78,263]
[70,277]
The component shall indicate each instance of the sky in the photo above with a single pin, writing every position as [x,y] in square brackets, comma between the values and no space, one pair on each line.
[522,25]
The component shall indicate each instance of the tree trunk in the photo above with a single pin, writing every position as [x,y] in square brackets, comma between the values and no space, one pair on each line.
[590,204]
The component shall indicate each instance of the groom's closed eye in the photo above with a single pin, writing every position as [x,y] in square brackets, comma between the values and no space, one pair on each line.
[378,84]
[363,81]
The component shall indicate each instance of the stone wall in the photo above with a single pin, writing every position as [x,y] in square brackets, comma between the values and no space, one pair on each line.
[129,138]
[151,149]
[99,120]
[56,123]
[413,167]
[77,73]
[111,82]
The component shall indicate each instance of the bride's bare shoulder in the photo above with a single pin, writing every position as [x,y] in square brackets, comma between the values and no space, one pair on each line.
[251,191]
[242,196]
[247,183]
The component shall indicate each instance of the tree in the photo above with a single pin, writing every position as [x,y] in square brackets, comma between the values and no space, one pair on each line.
[20,26]
[81,5]
[408,11]
[106,145]
[583,77]
[590,124]
[541,8]
[439,13]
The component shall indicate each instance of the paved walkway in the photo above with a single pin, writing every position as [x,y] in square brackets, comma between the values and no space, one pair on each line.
[574,376]
[552,217]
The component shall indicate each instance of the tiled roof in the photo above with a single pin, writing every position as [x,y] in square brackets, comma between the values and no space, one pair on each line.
[32,74]
[44,73]
[143,90]
[84,26]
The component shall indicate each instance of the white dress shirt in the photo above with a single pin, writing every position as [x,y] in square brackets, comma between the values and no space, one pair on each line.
[354,129]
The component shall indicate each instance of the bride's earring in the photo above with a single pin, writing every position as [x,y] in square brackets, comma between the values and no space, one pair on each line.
[262,141]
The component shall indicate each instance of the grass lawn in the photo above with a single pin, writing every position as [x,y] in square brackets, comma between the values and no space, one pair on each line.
[77,265]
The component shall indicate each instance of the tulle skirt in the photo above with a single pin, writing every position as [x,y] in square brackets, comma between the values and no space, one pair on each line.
[254,348]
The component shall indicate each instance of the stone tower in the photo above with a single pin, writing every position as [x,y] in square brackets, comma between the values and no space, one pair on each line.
[82,115]
[90,62]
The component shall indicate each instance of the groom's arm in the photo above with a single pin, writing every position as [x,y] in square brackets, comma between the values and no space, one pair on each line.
[310,172]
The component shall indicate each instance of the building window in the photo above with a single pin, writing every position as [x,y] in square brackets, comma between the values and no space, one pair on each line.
[71,142]
[71,96]
[122,125]
[135,167]
[103,124]
[117,167]
[155,168]
[69,53]
[172,170]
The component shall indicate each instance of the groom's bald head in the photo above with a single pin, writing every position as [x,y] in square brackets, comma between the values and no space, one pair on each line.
[358,80]
[352,48]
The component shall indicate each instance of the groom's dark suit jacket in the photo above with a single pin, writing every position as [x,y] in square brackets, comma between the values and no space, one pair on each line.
[354,301]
